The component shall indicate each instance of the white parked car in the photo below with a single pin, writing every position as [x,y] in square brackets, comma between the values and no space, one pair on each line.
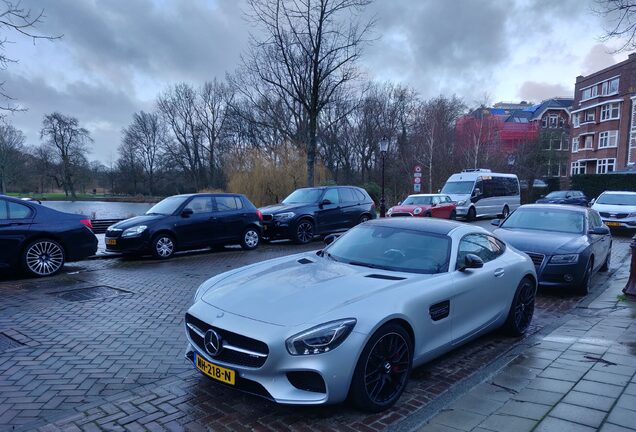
[617,209]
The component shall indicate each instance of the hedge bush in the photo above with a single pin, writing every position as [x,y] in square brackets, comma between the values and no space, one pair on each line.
[593,185]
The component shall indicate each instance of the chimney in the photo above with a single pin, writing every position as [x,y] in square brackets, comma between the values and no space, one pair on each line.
[580,77]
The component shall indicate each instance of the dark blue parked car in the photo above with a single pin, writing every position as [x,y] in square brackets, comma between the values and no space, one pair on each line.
[565,197]
[40,240]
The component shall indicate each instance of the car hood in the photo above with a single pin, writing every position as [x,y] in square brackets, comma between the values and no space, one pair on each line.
[409,208]
[136,221]
[548,243]
[613,208]
[280,208]
[288,293]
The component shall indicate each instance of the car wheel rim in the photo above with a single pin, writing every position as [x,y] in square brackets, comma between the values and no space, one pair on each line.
[305,232]
[363,219]
[44,258]
[251,238]
[164,247]
[525,307]
[387,368]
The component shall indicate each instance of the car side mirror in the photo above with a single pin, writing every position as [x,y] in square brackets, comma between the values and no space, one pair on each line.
[476,192]
[542,196]
[471,261]
[187,212]
[399,202]
[602,230]
[495,222]
[592,201]
[434,205]
[330,239]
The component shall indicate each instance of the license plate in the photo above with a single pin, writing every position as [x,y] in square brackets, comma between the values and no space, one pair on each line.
[613,224]
[219,373]
[111,242]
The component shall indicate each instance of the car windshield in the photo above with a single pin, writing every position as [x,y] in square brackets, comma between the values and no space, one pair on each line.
[617,199]
[394,249]
[303,196]
[167,206]
[546,220]
[457,188]
[418,200]
[558,194]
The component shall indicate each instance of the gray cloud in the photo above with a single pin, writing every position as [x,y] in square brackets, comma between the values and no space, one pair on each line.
[533,91]
[599,57]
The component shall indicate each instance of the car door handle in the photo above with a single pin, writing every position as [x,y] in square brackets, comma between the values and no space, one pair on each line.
[499,272]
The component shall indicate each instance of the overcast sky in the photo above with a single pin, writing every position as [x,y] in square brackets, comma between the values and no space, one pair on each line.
[115,56]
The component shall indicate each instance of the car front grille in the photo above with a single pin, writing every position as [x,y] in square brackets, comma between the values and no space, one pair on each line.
[113,233]
[236,349]
[614,215]
[537,259]
[400,214]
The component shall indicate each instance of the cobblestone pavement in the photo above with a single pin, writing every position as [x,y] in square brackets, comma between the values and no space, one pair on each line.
[580,377]
[116,362]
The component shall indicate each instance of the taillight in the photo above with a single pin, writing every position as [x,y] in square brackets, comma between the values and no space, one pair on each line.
[260,215]
[87,223]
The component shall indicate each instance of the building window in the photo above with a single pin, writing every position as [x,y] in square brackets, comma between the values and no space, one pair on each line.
[545,144]
[544,122]
[575,144]
[590,92]
[609,87]
[576,120]
[604,166]
[578,167]
[553,121]
[589,115]
[610,112]
[565,140]
[555,144]
[588,142]
[607,139]
[563,169]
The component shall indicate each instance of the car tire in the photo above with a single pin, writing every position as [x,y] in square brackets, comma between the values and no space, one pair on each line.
[250,238]
[364,218]
[304,232]
[163,246]
[43,257]
[386,361]
[522,308]
[606,265]
[428,214]
[472,214]
[505,212]
[453,215]
[583,288]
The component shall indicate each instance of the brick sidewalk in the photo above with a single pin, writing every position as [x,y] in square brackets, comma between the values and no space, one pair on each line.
[580,377]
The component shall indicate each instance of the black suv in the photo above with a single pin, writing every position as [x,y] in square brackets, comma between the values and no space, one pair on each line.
[184,222]
[321,210]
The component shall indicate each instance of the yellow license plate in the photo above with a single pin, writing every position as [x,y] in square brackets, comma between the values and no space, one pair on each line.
[213,371]
[111,242]
[614,224]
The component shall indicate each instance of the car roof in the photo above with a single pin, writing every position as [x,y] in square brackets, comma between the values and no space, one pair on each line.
[555,206]
[620,192]
[427,195]
[206,194]
[430,225]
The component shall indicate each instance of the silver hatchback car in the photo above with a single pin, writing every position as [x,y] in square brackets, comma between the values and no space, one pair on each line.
[353,319]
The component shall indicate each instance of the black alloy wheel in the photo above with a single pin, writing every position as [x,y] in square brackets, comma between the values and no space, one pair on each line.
[522,308]
[472,214]
[383,369]
[453,215]
[364,218]
[304,231]
[584,287]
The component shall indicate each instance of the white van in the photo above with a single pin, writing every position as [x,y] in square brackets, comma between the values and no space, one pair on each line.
[481,192]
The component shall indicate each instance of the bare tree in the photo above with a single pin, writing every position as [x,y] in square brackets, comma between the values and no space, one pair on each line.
[621,18]
[307,53]
[69,145]
[16,19]
[146,138]
[11,153]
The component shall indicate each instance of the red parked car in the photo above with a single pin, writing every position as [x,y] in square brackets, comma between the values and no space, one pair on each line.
[425,205]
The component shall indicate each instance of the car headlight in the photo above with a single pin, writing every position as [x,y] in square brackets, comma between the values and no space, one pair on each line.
[564,259]
[134,231]
[417,210]
[284,216]
[461,203]
[320,339]
[389,211]
[631,215]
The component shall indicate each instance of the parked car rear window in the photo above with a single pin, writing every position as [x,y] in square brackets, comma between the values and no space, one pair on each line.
[200,205]
[617,199]
[557,194]
[484,246]
[228,203]
[347,195]
[361,196]
[393,249]
[546,220]
[18,211]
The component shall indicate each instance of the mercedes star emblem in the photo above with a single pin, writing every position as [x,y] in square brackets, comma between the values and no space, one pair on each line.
[212,342]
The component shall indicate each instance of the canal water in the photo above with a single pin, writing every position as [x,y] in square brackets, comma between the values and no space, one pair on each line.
[100,209]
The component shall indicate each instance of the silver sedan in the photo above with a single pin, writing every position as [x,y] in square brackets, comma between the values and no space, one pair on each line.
[353,319]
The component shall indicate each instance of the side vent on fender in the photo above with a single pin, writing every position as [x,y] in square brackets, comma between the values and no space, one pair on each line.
[440,311]
[385,277]
[305,261]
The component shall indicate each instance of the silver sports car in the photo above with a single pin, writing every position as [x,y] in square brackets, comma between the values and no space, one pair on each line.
[354,318]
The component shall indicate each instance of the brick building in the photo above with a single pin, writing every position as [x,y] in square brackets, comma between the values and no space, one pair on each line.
[603,134]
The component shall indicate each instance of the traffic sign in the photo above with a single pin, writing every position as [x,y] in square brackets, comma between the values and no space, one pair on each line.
[417,174]
[417,187]
[418,169]
[417,180]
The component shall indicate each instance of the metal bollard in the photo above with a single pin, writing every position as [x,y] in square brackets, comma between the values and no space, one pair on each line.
[630,288]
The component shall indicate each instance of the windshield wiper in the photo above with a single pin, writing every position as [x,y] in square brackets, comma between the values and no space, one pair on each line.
[363,264]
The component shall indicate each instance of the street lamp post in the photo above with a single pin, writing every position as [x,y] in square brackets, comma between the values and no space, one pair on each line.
[384,147]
